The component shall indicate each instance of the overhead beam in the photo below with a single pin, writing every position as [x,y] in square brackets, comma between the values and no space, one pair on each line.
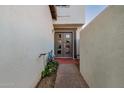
[67,26]
[53,11]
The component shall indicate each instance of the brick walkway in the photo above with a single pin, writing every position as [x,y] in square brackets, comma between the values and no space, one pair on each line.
[67,61]
[68,76]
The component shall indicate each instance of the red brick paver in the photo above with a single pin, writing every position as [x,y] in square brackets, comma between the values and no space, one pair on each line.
[67,60]
[68,76]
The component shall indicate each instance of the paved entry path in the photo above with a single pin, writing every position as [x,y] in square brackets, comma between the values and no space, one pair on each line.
[68,76]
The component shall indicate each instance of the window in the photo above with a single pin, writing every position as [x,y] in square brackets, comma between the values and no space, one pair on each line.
[59,52]
[67,36]
[59,47]
[59,35]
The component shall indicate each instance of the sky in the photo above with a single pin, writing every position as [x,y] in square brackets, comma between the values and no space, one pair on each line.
[91,11]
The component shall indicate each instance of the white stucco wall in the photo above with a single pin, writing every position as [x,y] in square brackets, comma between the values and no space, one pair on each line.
[78,41]
[74,14]
[102,49]
[25,32]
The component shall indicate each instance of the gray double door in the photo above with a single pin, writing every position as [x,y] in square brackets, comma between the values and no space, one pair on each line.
[63,44]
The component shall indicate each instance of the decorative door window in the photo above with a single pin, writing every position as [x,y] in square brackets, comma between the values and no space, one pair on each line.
[59,51]
[60,41]
[59,35]
[67,36]
[59,47]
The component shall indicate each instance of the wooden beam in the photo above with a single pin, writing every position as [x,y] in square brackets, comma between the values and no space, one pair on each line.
[53,11]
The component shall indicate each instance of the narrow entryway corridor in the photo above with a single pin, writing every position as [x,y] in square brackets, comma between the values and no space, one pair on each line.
[68,75]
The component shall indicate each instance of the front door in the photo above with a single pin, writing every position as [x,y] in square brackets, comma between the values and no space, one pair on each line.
[63,44]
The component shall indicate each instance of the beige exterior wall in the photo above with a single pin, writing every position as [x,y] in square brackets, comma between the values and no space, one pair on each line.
[102,49]
[74,14]
[25,32]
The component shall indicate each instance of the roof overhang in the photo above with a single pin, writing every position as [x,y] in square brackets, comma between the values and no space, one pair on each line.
[67,26]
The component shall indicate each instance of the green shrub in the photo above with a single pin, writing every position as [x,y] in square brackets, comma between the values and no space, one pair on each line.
[50,68]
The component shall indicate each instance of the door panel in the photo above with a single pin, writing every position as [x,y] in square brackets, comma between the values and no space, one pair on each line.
[58,44]
[63,44]
[68,44]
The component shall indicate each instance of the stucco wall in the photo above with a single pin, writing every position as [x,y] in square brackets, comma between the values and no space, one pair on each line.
[102,49]
[25,32]
[74,14]
[78,42]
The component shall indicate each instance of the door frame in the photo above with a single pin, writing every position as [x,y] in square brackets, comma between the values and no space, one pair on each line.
[73,41]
